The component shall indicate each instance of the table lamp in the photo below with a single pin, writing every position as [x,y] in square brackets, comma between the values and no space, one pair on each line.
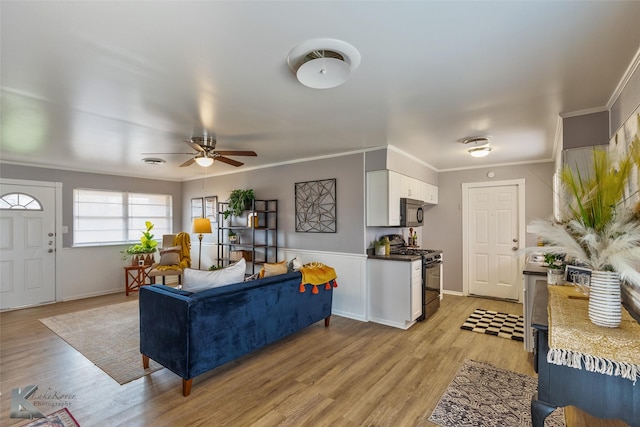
[201,226]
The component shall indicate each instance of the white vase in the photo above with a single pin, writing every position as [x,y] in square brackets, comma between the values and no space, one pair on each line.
[605,307]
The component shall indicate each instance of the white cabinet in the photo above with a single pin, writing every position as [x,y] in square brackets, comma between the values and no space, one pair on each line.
[430,194]
[395,292]
[416,289]
[532,274]
[384,190]
[383,198]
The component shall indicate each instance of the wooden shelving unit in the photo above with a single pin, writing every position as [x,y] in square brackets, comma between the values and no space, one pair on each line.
[257,233]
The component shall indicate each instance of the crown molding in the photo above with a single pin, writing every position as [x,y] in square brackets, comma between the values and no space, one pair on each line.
[631,69]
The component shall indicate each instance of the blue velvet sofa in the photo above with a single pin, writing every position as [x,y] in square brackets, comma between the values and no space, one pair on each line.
[192,333]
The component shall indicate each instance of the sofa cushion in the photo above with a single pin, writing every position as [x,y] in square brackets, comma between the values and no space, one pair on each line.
[170,256]
[199,280]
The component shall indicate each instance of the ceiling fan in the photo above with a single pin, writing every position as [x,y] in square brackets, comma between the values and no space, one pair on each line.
[205,153]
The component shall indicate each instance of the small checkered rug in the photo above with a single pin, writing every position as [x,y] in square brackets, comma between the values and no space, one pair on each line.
[504,325]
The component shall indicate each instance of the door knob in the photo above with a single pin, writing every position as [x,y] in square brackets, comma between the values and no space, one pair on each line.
[50,234]
[515,240]
[50,250]
[515,248]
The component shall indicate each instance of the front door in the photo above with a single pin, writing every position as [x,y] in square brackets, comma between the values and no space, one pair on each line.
[27,245]
[492,238]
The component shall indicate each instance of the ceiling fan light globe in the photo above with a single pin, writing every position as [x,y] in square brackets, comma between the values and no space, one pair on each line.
[204,161]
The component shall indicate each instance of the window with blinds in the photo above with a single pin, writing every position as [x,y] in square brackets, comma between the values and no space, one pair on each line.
[101,216]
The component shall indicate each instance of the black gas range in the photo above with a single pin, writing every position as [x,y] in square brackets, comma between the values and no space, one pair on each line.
[431,272]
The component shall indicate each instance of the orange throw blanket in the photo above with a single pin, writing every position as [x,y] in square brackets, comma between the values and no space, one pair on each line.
[316,273]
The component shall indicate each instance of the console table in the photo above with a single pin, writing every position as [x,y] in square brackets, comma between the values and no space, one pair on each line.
[601,395]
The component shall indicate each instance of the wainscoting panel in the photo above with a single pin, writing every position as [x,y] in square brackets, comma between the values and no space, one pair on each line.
[92,271]
[350,297]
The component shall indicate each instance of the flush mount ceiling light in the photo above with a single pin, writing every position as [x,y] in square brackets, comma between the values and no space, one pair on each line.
[154,161]
[479,151]
[204,160]
[323,63]
[480,145]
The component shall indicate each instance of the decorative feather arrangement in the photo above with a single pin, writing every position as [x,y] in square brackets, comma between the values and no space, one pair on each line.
[601,229]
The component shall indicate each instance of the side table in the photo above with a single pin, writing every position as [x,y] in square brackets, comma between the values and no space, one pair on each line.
[135,276]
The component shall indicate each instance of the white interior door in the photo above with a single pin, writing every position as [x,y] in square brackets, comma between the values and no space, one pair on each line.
[27,245]
[493,234]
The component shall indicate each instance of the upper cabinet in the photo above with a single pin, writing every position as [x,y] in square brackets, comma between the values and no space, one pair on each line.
[385,188]
[430,194]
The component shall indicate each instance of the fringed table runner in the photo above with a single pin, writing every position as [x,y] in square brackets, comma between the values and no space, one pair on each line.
[574,341]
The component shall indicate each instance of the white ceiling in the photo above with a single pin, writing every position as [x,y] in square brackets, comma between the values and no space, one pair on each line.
[91,85]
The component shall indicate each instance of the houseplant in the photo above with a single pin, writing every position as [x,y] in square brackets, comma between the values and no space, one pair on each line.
[601,229]
[239,201]
[555,268]
[381,246]
[147,246]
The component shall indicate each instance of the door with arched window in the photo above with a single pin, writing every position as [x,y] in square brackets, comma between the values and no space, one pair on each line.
[27,245]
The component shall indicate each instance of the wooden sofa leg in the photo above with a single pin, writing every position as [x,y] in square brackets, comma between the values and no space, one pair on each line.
[326,321]
[186,387]
[145,361]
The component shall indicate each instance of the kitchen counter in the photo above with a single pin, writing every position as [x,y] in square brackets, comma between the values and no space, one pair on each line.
[535,269]
[394,257]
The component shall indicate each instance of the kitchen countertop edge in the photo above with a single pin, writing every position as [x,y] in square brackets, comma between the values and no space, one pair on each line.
[392,257]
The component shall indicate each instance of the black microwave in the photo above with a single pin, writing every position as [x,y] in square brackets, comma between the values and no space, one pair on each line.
[411,214]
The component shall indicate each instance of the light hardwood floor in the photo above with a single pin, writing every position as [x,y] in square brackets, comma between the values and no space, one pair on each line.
[350,374]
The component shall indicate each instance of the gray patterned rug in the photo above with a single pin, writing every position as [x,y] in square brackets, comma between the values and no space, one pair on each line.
[482,395]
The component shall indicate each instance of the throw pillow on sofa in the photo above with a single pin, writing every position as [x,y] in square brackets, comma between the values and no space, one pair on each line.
[275,269]
[199,280]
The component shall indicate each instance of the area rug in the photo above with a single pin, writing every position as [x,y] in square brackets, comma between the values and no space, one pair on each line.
[482,395]
[490,322]
[108,336]
[60,418]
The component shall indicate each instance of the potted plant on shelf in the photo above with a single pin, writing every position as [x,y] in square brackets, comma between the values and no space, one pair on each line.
[601,230]
[145,248]
[233,237]
[239,201]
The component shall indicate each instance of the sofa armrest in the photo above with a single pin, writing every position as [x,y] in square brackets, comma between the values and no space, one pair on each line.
[164,327]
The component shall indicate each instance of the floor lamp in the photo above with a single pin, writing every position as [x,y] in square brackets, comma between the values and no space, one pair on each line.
[201,226]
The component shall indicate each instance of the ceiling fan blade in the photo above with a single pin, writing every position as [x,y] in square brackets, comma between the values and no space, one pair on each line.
[195,146]
[188,163]
[229,161]
[236,153]
[148,154]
